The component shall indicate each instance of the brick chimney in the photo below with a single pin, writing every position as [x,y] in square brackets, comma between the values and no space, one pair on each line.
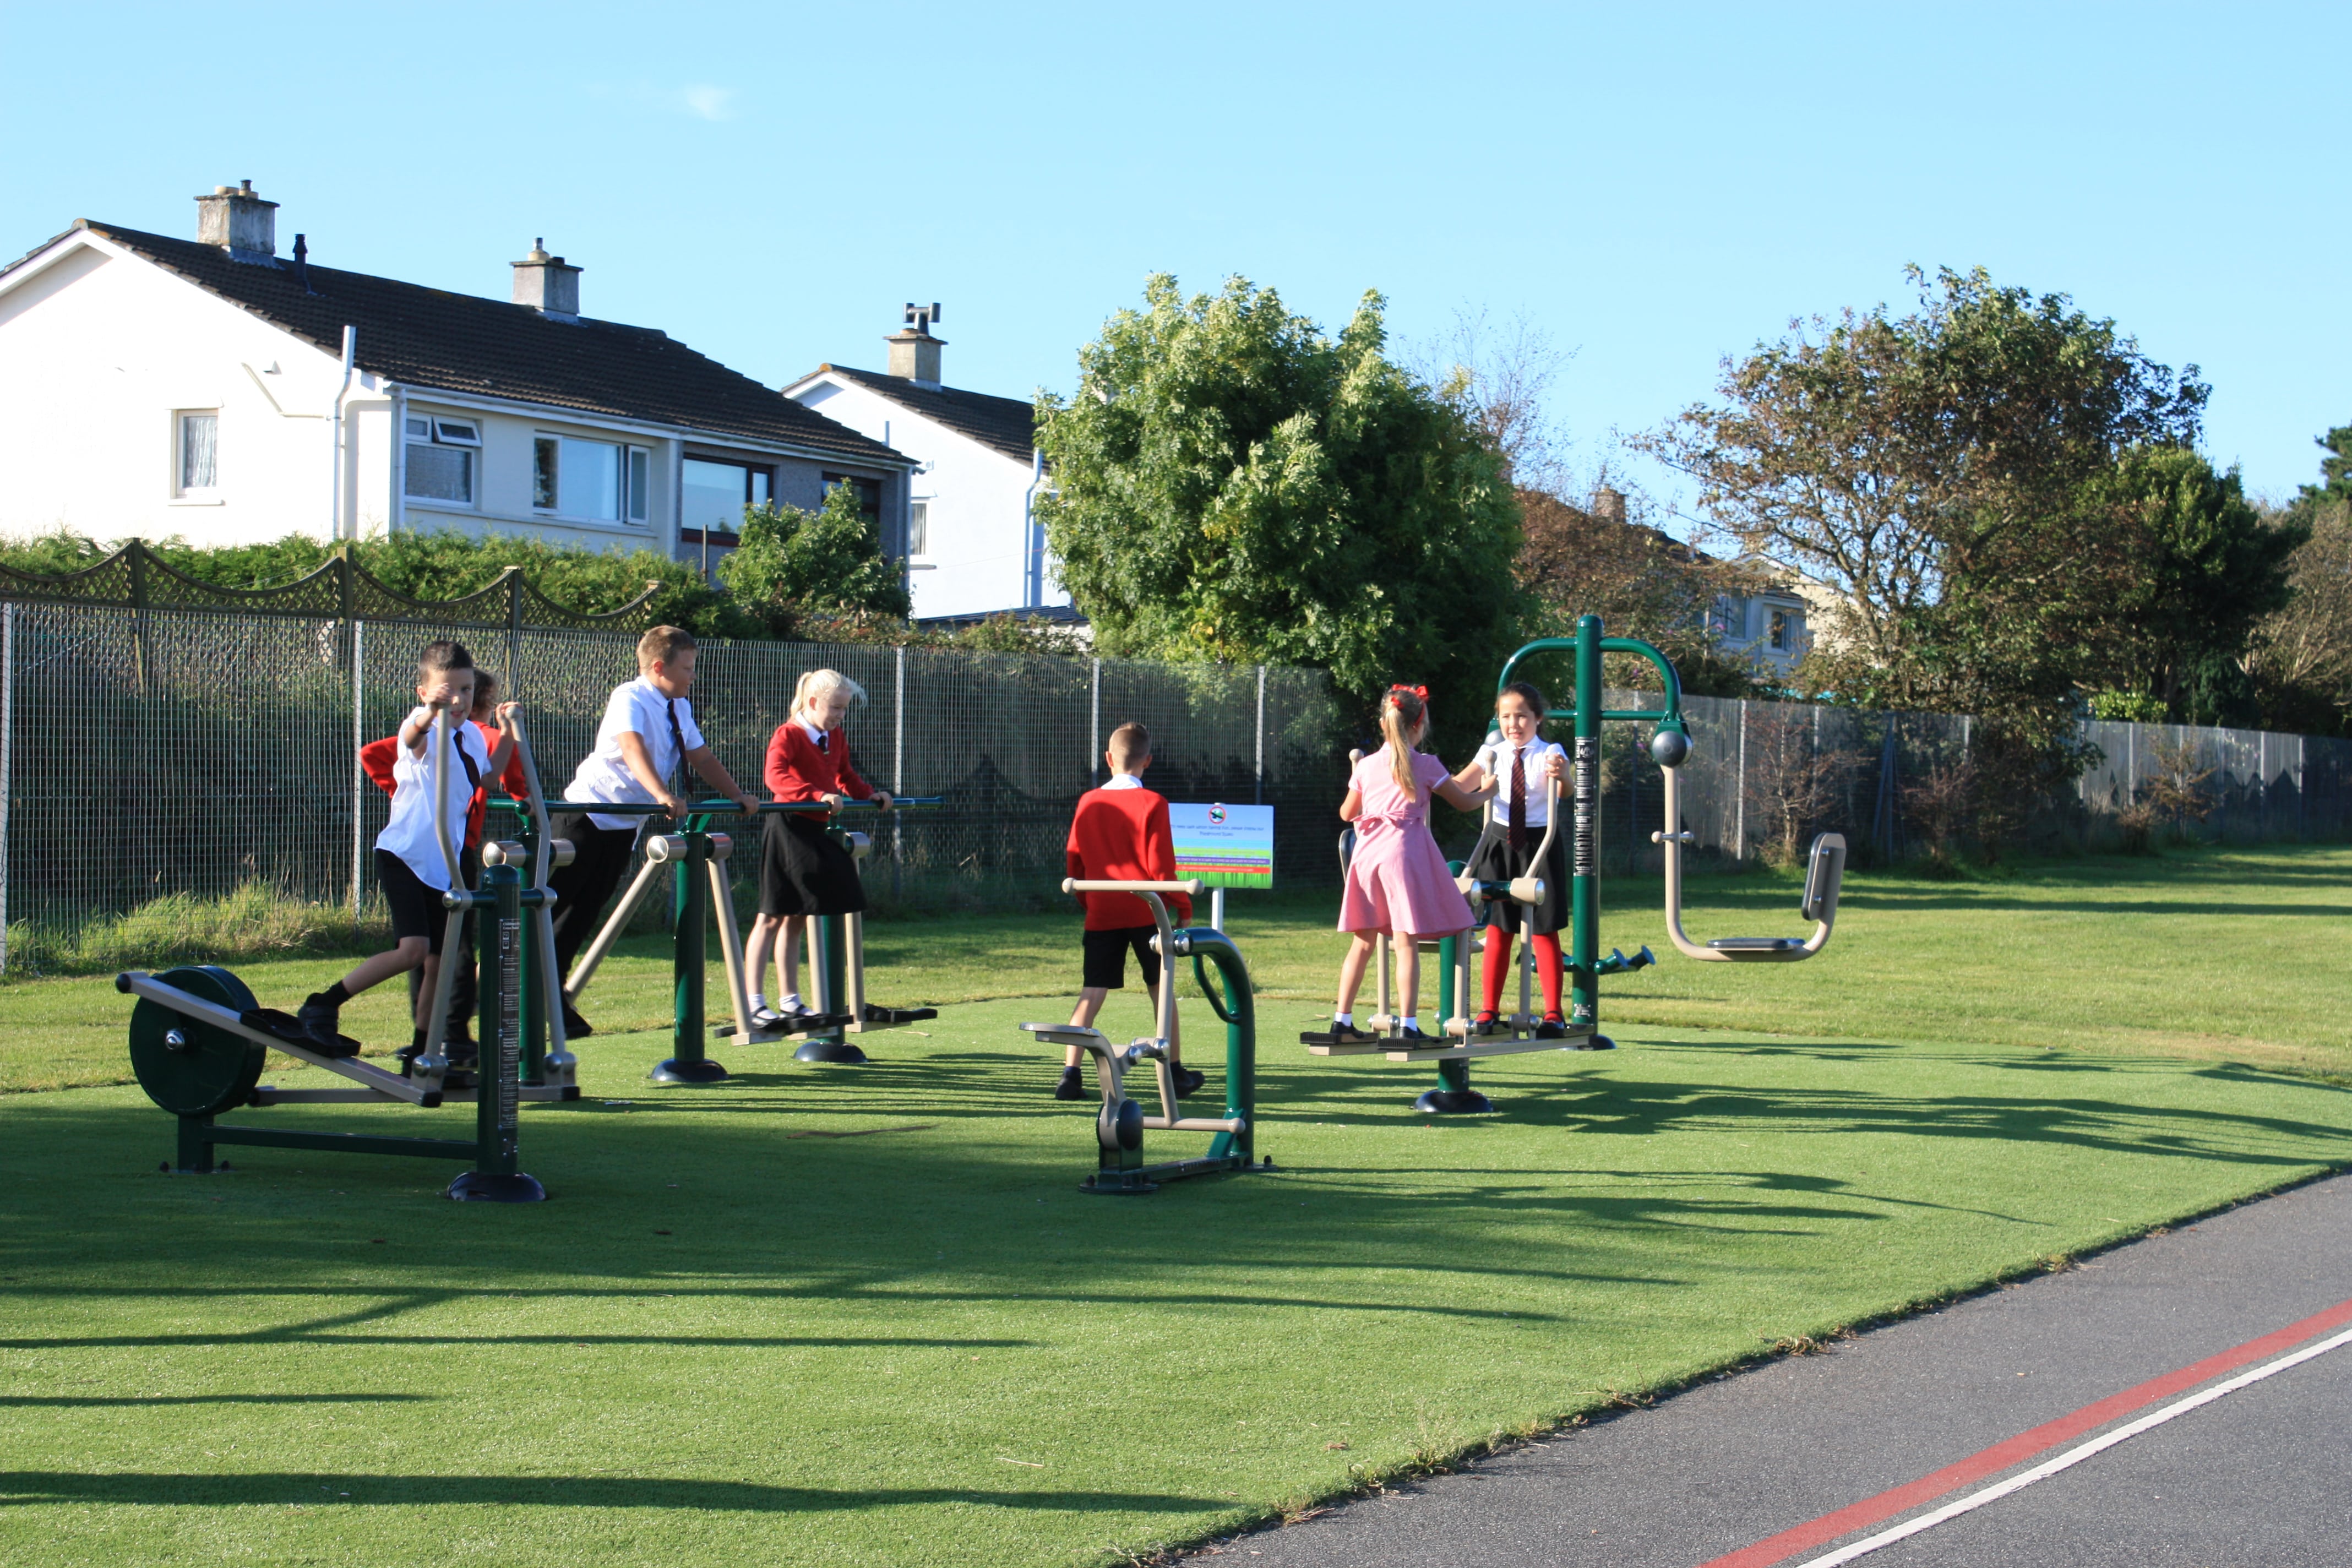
[546,283]
[1609,505]
[239,222]
[914,352]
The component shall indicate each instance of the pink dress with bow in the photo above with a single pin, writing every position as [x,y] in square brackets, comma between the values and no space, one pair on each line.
[1397,880]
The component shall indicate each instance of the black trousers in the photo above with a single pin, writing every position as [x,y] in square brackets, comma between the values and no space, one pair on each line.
[462,980]
[600,860]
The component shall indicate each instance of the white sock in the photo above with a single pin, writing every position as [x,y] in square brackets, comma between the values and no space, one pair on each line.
[1348,1019]
[1413,1021]
[791,999]
[758,1000]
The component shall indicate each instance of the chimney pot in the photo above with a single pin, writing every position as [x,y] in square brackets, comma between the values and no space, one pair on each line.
[1609,505]
[239,222]
[914,352]
[546,283]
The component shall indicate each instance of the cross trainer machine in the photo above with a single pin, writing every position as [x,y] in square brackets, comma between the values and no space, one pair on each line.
[199,1042]
[1670,746]
[1120,1123]
[701,886]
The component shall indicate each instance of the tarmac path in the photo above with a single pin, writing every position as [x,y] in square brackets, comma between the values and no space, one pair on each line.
[1791,1463]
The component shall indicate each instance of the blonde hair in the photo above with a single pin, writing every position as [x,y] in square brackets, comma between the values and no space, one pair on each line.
[662,645]
[1404,718]
[816,684]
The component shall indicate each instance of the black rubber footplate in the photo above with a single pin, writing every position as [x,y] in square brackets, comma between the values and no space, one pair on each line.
[285,1026]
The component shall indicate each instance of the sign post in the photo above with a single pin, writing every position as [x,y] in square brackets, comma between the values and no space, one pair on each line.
[1222,846]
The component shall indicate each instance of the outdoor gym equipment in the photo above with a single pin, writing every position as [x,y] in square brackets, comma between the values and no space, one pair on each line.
[199,1042]
[1120,1125]
[1670,746]
[1460,1040]
[700,886]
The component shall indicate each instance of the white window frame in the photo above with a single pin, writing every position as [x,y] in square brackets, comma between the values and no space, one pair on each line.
[182,492]
[632,477]
[443,430]
[919,524]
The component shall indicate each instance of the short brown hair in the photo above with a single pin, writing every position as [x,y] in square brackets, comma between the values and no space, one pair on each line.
[662,645]
[1129,744]
[440,657]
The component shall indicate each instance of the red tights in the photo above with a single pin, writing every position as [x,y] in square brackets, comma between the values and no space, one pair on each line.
[1499,965]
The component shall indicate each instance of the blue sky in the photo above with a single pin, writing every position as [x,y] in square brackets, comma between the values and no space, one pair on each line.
[1655,186]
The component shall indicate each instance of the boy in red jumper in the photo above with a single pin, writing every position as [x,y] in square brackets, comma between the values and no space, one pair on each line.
[1120,834]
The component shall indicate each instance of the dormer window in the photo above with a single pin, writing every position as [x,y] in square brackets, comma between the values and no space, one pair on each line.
[439,464]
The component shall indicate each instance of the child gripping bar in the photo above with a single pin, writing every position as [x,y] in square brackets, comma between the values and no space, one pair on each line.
[1191,889]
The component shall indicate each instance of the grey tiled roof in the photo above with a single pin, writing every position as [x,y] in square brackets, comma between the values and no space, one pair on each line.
[1005,424]
[461,343]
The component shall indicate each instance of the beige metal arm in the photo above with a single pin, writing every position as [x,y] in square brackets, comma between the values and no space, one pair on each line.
[1165,1010]
[1825,871]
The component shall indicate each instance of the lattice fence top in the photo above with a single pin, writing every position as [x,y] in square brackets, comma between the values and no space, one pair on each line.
[135,578]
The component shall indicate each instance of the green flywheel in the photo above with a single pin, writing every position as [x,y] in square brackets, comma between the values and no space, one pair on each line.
[188,1066]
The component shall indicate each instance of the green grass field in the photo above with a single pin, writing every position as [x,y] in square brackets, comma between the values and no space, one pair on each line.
[864,1315]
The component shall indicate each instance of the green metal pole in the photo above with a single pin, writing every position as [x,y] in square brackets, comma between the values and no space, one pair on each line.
[1240,1013]
[494,1177]
[534,989]
[691,902]
[1453,1078]
[1584,849]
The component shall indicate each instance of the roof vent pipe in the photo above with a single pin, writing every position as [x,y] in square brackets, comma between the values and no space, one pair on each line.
[914,352]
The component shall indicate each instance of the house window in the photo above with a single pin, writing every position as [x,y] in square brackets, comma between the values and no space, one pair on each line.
[716,495]
[197,435]
[869,494]
[599,480]
[918,527]
[1724,619]
[439,462]
[1787,627]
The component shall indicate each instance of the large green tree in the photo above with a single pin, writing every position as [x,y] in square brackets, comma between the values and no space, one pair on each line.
[1937,470]
[1231,483]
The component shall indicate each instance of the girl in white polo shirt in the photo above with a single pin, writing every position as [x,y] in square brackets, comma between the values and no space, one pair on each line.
[409,863]
[1515,768]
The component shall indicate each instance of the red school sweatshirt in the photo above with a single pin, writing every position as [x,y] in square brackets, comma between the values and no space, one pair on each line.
[796,770]
[1122,835]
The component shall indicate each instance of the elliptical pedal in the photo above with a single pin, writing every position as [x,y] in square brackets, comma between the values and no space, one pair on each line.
[285,1026]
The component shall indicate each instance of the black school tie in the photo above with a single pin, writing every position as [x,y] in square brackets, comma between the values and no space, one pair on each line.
[678,739]
[1519,799]
[825,742]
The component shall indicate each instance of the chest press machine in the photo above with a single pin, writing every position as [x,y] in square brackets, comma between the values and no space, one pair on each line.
[702,887]
[1120,1123]
[199,1042]
[1670,746]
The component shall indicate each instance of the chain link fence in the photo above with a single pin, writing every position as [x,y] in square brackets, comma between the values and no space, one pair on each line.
[199,752]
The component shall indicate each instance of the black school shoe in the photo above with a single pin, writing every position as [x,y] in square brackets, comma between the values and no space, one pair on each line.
[1553,1027]
[318,1018]
[1349,1034]
[1409,1032]
[1486,1024]
[575,1028]
[1072,1087]
[1189,1081]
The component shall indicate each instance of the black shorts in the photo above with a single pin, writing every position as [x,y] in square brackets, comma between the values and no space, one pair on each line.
[417,910]
[804,869]
[1105,953]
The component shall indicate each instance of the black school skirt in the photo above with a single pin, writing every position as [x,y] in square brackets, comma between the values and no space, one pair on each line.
[803,871]
[1499,863]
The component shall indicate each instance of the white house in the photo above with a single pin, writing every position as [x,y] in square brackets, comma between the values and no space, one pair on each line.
[213,390]
[973,544]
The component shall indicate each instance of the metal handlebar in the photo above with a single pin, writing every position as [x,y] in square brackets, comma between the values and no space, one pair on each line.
[1164,939]
[728,807]
[1825,873]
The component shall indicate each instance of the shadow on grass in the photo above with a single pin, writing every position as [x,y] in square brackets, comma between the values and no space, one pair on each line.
[324,1490]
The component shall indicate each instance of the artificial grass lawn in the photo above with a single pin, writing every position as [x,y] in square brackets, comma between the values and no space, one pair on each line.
[2238,955]
[863,1315]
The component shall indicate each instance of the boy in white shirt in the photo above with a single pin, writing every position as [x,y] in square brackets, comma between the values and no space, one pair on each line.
[648,731]
[410,865]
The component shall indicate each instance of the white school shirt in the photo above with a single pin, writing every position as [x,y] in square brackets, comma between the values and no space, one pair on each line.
[1124,780]
[1494,756]
[638,709]
[409,834]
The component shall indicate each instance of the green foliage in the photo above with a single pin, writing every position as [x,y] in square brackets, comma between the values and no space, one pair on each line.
[1232,484]
[793,564]
[442,564]
[2129,708]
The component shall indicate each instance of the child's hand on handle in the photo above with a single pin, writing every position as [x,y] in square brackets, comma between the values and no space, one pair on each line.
[881,800]
[507,714]
[1555,764]
[745,803]
[833,800]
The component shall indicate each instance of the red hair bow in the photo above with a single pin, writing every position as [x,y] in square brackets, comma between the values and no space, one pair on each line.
[1420,691]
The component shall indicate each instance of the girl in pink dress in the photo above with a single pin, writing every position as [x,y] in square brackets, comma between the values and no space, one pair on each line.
[1397,880]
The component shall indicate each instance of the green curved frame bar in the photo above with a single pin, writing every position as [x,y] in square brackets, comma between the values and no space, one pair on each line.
[1671,717]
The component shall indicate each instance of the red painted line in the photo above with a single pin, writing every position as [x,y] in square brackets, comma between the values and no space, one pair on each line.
[2010,1451]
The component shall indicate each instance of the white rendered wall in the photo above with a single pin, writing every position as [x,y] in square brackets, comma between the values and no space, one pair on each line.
[978,551]
[97,353]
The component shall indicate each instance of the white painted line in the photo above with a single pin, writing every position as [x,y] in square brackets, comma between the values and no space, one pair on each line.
[2070,1457]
